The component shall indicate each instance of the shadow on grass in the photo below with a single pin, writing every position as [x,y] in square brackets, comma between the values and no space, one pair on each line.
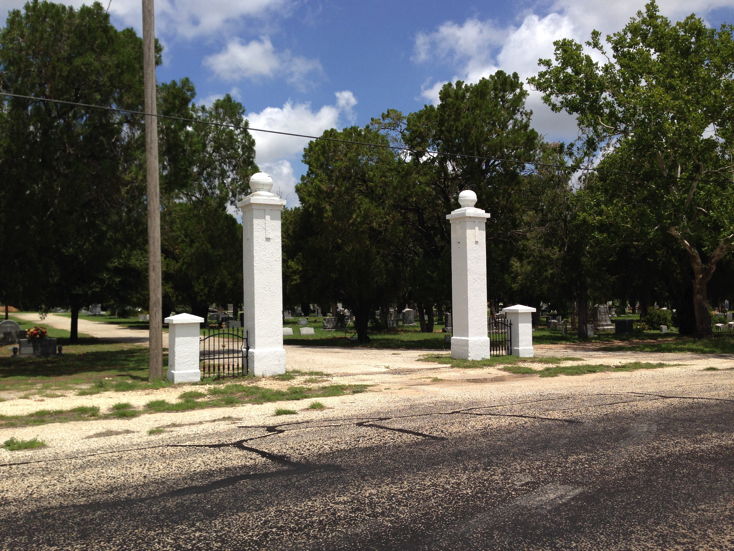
[407,341]
[129,362]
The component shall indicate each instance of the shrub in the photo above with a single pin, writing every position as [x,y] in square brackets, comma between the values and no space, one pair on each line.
[656,317]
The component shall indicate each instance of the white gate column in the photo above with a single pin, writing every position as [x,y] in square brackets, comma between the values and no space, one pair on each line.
[470,339]
[263,276]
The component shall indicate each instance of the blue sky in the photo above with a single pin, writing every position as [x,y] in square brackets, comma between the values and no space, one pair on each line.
[309,65]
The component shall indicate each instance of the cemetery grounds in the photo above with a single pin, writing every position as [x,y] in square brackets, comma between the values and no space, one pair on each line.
[104,378]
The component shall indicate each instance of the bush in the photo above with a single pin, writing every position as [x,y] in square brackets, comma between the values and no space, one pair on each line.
[656,317]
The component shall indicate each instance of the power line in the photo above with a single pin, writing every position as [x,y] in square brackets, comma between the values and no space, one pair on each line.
[398,148]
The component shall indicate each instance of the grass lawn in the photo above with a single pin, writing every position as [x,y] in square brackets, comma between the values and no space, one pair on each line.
[92,366]
[131,322]
[406,337]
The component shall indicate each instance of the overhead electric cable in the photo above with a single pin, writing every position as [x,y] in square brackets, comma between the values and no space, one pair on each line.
[280,132]
[398,148]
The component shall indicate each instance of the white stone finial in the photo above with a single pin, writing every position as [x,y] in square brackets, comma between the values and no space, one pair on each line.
[467,198]
[261,181]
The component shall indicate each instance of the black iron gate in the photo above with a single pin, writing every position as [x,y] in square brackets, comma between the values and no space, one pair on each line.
[223,352]
[500,336]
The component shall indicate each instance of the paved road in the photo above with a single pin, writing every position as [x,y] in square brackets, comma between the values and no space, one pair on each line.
[613,468]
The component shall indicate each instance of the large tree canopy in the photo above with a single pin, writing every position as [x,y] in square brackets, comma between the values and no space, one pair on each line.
[351,247]
[67,171]
[657,101]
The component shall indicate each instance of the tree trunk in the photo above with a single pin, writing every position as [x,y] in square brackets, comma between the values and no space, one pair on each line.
[582,313]
[701,276]
[361,321]
[6,310]
[426,317]
[74,331]
[701,307]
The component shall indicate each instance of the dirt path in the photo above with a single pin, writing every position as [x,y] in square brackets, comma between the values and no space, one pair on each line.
[97,329]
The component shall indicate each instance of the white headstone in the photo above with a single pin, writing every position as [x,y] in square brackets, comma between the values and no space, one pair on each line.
[287,331]
[307,331]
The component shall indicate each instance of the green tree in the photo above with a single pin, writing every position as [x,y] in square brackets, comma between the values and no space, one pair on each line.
[478,137]
[351,248]
[205,169]
[69,169]
[661,100]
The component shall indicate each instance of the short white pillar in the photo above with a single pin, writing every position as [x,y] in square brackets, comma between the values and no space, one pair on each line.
[263,276]
[521,318]
[183,348]
[470,340]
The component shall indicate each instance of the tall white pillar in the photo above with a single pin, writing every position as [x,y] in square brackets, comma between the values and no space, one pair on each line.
[263,276]
[470,339]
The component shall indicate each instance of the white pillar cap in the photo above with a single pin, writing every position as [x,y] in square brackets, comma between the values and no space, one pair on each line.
[261,181]
[518,308]
[183,318]
[467,198]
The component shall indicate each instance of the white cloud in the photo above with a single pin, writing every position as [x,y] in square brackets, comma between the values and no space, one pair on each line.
[476,49]
[258,58]
[237,60]
[186,18]
[284,180]
[276,153]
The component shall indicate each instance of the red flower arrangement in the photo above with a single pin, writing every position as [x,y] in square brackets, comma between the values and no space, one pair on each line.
[36,333]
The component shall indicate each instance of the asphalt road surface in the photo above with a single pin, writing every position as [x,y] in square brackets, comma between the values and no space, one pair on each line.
[609,469]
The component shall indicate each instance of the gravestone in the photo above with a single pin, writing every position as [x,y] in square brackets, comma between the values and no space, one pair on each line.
[302,321]
[729,316]
[663,328]
[602,321]
[25,347]
[9,332]
[447,326]
[329,323]
[287,331]
[95,309]
[233,324]
[307,331]
[408,316]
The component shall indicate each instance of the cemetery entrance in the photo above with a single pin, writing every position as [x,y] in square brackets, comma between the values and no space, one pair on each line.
[223,352]
[500,336]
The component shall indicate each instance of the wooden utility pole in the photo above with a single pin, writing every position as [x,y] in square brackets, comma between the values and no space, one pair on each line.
[155,330]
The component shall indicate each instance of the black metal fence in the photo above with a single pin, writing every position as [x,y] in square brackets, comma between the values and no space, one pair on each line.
[223,353]
[500,336]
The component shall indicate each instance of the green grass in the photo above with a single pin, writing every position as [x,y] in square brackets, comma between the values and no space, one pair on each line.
[123,410]
[13,444]
[192,395]
[405,337]
[316,405]
[713,345]
[131,322]
[283,411]
[156,430]
[582,369]
[494,361]
[89,368]
[227,395]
